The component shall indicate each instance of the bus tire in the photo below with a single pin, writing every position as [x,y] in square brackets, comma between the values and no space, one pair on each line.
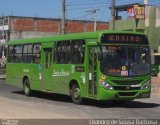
[75,94]
[26,87]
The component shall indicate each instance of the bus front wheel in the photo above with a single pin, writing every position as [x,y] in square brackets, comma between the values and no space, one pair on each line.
[26,87]
[75,94]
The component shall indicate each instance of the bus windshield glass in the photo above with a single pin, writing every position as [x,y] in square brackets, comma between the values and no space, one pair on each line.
[125,60]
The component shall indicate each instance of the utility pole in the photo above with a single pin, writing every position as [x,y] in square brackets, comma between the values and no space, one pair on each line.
[3,34]
[95,17]
[113,14]
[63,16]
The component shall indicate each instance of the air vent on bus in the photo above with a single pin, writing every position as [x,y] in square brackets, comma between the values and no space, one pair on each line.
[126,82]
[127,93]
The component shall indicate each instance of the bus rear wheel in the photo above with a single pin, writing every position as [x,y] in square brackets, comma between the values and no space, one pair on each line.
[26,87]
[75,94]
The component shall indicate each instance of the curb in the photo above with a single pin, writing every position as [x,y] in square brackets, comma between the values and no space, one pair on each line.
[2,76]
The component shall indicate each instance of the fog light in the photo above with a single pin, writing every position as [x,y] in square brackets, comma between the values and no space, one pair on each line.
[106,85]
[146,85]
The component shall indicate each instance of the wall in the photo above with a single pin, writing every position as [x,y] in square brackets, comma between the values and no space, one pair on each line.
[152,23]
[53,25]
[28,34]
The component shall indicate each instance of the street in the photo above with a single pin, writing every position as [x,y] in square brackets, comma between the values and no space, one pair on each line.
[14,104]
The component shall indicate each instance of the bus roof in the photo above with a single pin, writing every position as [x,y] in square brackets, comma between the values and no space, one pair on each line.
[74,36]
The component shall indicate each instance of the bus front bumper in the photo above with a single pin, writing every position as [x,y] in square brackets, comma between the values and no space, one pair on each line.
[104,94]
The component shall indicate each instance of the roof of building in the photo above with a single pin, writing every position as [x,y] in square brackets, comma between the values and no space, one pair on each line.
[55,19]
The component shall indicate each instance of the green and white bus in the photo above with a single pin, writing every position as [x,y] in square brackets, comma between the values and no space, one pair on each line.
[102,65]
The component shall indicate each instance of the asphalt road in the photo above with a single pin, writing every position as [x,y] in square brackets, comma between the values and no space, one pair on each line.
[13,104]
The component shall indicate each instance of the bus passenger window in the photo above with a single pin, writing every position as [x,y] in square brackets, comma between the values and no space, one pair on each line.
[17,53]
[70,52]
[10,54]
[63,52]
[27,53]
[77,53]
[58,54]
[36,53]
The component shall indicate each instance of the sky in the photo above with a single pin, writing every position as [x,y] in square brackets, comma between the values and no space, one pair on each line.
[75,9]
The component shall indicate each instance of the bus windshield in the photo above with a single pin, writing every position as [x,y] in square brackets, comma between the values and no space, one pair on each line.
[125,60]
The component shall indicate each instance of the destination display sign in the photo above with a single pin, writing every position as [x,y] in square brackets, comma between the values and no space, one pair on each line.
[124,39]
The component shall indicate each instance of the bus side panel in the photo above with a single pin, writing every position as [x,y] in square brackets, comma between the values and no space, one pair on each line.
[62,75]
[60,78]
[16,72]
[34,75]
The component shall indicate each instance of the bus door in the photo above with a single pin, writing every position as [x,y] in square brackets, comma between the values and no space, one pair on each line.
[92,74]
[47,68]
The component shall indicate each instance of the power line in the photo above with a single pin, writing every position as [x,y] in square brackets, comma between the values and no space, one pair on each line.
[113,14]
[86,8]
[86,3]
[79,6]
[83,5]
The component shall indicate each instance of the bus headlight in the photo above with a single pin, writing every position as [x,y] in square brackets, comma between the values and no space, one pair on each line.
[146,85]
[106,85]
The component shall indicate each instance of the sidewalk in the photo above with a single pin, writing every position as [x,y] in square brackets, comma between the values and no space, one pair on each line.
[2,74]
[155,80]
[155,83]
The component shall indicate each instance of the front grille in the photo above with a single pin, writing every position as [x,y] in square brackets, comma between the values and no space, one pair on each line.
[127,82]
[126,88]
[127,93]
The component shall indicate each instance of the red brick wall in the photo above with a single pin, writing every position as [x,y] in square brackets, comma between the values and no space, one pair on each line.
[24,25]
[47,26]
[102,26]
[90,27]
[74,27]
[44,25]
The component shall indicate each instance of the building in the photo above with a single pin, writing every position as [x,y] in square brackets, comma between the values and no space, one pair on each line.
[140,18]
[16,27]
